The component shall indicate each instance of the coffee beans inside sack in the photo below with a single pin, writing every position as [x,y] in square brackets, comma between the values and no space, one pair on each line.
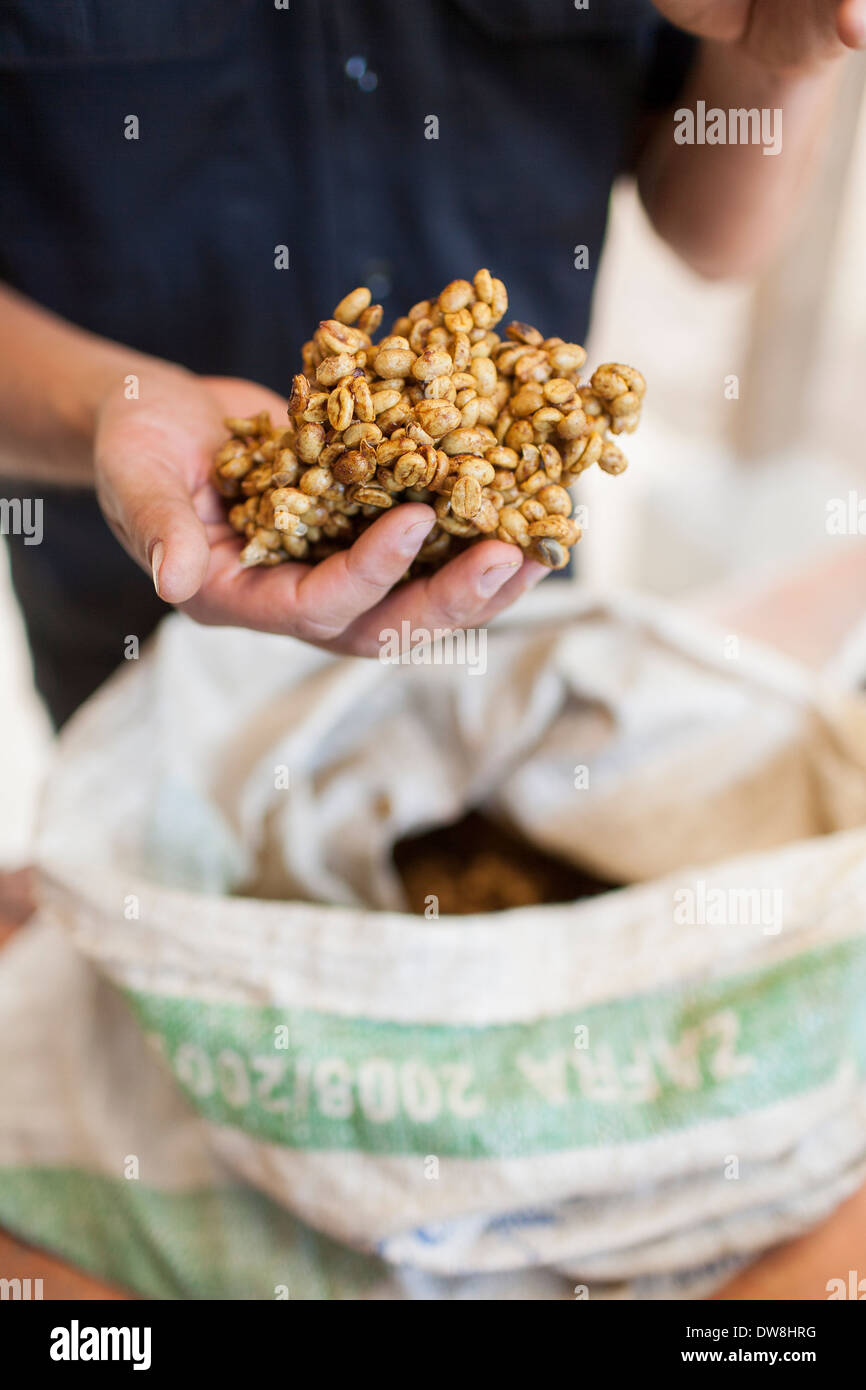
[477,864]
[488,430]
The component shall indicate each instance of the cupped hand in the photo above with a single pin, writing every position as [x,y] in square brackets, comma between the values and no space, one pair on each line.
[153,457]
[782,34]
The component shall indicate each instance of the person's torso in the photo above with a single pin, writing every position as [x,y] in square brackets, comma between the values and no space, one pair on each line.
[158,154]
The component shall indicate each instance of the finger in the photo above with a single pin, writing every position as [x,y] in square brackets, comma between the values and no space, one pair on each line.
[466,592]
[336,592]
[316,603]
[150,509]
[851,23]
[525,577]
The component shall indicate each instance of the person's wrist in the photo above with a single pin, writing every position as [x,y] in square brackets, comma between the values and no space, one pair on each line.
[82,397]
[75,400]
[767,83]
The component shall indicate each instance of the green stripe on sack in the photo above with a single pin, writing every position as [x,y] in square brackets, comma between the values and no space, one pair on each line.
[613,1073]
[228,1243]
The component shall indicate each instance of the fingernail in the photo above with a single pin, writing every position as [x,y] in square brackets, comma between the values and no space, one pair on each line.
[495,577]
[414,535]
[157,555]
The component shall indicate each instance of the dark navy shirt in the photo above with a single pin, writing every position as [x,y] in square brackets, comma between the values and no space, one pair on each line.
[304,127]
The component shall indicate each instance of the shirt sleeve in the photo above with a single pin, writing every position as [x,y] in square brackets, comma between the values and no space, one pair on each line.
[672,53]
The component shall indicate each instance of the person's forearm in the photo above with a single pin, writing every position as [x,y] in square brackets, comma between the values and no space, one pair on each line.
[724,207]
[52,379]
[813,1267]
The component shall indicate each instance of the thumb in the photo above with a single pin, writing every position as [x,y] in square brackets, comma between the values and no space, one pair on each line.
[851,23]
[150,510]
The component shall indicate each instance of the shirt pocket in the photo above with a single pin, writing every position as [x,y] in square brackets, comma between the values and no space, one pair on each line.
[50,33]
[513,21]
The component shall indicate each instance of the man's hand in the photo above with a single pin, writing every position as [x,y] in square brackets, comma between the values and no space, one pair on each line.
[153,459]
[786,35]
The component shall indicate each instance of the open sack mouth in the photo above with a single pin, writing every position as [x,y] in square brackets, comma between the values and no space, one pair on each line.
[613,739]
[478,865]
